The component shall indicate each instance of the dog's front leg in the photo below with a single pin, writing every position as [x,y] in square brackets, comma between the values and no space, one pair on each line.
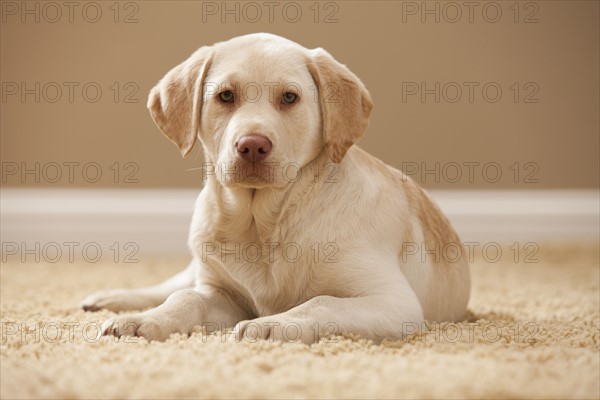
[140,298]
[182,310]
[373,317]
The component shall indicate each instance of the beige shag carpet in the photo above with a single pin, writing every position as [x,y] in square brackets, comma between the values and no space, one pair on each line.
[533,333]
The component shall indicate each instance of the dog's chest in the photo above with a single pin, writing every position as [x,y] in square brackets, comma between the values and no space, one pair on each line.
[273,260]
[273,275]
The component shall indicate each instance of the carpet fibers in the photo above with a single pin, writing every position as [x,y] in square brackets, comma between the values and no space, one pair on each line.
[533,332]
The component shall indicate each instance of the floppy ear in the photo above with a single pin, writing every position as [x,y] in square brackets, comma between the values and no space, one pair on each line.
[175,103]
[345,103]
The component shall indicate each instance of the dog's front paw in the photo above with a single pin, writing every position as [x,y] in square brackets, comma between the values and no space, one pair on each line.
[276,328]
[141,325]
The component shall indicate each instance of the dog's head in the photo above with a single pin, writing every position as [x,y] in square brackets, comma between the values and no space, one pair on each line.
[261,105]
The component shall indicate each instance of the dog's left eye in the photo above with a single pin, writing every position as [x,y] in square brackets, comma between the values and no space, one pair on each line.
[289,98]
[226,96]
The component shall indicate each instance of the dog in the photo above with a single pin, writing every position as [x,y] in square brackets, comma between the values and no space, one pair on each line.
[297,233]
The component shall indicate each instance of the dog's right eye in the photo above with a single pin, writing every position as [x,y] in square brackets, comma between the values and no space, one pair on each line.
[226,96]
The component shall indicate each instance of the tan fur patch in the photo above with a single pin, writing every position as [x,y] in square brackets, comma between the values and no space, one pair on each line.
[437,230]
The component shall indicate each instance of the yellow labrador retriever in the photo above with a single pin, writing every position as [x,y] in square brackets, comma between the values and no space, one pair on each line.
[297,232]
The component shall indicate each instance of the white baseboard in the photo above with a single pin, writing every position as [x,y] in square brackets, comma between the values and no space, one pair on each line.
[157,221]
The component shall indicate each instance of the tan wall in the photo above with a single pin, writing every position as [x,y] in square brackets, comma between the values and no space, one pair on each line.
[554,140]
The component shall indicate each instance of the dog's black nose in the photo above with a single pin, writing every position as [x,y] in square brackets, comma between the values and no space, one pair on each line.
[253,148]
